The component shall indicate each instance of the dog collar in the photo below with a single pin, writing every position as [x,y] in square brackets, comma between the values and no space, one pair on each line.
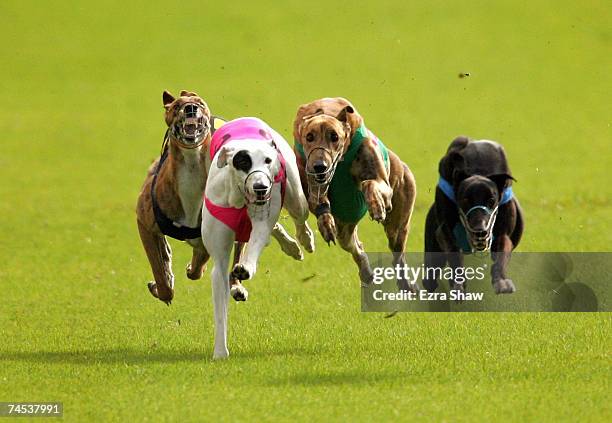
[448,190]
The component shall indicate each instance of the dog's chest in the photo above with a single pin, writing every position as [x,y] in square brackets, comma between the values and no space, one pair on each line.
[191,180]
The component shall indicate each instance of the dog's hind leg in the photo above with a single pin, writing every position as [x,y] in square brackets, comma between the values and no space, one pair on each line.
[199,257]
[287,244]
[160,258]
[297,206]
[237,290]
[434,257]
[347,237]
[397,222]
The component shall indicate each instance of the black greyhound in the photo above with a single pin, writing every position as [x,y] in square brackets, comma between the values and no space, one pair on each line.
[474,211]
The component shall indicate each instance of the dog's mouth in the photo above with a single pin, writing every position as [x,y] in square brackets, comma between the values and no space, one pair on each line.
[322,178]
[481,241]
[262,196]
[191,125]
[481,238]
[260,193]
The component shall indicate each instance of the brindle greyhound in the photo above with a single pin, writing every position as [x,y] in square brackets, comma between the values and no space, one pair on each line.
[346,172]
[170,202]
[474,211]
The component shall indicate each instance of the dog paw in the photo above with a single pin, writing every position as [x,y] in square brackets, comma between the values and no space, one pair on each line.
[220,353]
[194,274]
[242,272]
[504,286]
[405,286]
[306,238]
[327,227]
[166,295]
[292,249]
[366,277]
[239,292]
[375,201]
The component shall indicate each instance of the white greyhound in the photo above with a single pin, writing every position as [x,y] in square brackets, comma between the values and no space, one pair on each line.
[254,176]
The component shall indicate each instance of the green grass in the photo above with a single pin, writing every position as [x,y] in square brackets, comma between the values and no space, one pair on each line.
[81,120]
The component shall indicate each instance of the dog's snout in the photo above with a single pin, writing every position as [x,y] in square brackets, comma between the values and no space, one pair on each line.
[480,234]
[191,110]
[319,166]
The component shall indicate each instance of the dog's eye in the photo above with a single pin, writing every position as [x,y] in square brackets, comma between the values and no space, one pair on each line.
[309,137]
[268,160]
[491,203]
[333,136]
[242,161]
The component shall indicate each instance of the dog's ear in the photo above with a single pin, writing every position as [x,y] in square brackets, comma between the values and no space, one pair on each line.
[167,99]
[185,93]
[458,143]
[453,159]
[459,175]
[343,115]
[224,155]
[502,181]
[456,160]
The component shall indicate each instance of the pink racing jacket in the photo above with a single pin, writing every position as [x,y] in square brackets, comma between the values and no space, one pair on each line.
[237,219]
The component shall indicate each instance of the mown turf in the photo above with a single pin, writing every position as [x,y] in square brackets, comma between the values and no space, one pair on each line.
[80,119]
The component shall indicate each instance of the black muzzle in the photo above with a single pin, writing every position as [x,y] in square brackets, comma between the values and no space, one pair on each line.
[480,239]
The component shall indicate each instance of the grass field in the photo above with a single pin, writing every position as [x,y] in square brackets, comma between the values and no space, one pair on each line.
[81,120]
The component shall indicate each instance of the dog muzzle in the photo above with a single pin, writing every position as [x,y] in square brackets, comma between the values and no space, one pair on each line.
[318,182]
[480,240]
[261,194]
[191,126]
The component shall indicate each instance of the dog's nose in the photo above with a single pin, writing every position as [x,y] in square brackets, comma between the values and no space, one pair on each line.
[259,186]
[319,166]
[191,110]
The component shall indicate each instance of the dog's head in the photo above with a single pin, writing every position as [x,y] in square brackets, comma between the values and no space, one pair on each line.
[478,198]
[252,167]
[324,139]
[188,118]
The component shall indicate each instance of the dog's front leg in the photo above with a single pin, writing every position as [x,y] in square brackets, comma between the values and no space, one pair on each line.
[501,256]
[160,257]
[220,290]
[237,290]
[218,240]
[260,237]
[369,169]
[197,266]
[325,221]
[378,196]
